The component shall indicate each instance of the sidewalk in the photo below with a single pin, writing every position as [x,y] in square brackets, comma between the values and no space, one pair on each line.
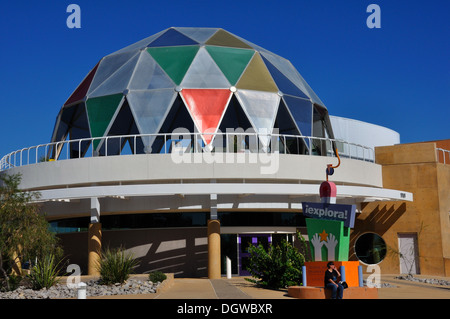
[239,288]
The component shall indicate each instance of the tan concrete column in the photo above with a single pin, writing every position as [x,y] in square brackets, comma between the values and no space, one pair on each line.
[214,271]
[94,248]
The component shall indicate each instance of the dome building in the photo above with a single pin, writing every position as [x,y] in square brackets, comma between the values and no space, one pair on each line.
[202,79]
[186,146]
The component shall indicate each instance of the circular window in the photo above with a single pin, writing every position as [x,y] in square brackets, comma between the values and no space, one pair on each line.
[370,248]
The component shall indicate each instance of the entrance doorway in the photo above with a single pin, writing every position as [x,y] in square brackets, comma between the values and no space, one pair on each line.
[244,241]
[409,263]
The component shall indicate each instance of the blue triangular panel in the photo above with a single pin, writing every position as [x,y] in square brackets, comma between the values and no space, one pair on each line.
[301,110]
[283,83]
[172,37]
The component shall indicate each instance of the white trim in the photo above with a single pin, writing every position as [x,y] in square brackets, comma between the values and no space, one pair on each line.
[347,192]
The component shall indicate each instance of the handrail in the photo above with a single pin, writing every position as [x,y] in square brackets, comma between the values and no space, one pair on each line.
[195,143]
[438,150]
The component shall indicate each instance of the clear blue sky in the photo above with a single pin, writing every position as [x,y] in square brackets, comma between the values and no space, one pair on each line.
[397,76]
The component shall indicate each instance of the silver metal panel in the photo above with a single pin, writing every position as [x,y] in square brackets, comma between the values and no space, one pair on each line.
[204,73]
[149,75]
[118,81]
[261,108]
[108,66]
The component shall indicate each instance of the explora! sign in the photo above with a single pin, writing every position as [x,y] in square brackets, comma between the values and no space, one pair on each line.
[337,212]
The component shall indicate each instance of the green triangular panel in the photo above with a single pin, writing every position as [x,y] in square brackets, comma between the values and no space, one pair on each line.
[175,61]
[223,38]
[231,61]
[100,112]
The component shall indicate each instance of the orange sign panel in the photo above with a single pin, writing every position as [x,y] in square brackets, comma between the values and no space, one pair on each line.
[315,272]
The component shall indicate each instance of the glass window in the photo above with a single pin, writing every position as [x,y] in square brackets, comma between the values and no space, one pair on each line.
[370,248]
[133,221]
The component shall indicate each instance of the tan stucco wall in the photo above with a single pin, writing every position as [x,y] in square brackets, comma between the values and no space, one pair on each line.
[412,168]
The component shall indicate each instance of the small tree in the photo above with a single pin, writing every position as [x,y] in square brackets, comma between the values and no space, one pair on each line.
[24,233]
[278,267]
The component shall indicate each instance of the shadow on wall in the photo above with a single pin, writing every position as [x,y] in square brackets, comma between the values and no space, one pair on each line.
[377,220]
[183,252]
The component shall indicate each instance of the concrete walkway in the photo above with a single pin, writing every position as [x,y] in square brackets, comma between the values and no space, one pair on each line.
[239,288]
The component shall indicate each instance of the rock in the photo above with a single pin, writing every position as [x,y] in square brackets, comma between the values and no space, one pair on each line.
[93,288]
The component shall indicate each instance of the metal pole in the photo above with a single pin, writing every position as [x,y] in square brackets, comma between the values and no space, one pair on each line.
[81,291]
[304,276]
[360,276]
[342,268]
[228,268]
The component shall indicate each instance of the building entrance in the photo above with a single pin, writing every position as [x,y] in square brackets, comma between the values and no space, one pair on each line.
[246,240]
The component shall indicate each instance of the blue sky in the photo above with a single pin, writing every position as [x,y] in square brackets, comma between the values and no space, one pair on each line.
[397,76]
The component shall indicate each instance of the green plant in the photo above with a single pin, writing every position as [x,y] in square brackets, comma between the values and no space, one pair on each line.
[44,273]
[24,232]
[156,276]
[14,283]
[278,267]
[116,266]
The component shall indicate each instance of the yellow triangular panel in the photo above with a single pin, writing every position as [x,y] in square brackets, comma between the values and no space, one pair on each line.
[257,77]
[223,38]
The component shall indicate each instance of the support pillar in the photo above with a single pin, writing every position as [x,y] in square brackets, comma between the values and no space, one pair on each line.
[214,271]
[94,239]
[94,248]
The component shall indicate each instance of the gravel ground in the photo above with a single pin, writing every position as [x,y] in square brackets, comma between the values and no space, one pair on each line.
[93,288]
[432,281]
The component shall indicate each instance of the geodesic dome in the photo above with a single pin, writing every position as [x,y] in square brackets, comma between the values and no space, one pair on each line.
[201,79]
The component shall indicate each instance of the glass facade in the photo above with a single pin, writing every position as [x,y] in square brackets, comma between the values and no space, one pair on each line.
[186,219]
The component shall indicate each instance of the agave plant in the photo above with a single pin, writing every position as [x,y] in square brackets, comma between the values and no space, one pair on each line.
[116,266]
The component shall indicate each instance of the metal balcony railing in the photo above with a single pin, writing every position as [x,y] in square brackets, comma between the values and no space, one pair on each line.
[234,142]
[443,155]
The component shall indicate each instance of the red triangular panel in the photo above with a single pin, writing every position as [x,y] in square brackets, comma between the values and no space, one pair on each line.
[206,107]
[82,89]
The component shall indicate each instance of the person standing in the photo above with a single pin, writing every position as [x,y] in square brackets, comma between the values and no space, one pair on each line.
[331,281]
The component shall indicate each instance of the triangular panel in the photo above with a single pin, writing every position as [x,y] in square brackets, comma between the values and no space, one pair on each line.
[286,67]
[140,44]
[79,129]
[231,61]
[123,125]
[257,77]
[301,111]
[100,112]
[204,73]
[283,83]
[150,109]
[82,89]
[224,38]
[109,65]
[287,126]
[206,107]
[175,61]
[261,109]
[118,81]
[170,38]
[178,117]
[149,75]
[198,34]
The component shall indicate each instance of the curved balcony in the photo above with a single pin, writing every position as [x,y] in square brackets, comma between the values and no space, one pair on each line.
[185,143]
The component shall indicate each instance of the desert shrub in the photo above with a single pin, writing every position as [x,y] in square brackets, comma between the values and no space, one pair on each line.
[278,267]
[44,273]
[156,276]
[116,266]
